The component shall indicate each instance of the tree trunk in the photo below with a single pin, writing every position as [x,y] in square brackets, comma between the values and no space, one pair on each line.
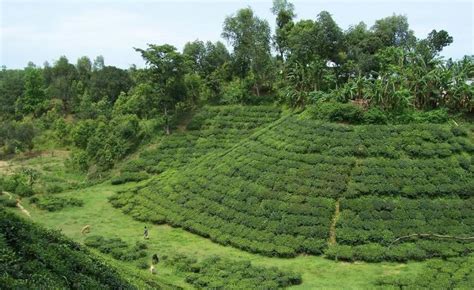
[257,89]
[167,123]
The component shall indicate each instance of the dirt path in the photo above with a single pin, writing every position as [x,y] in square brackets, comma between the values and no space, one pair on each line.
[18,205]
[4,166]
[332,229]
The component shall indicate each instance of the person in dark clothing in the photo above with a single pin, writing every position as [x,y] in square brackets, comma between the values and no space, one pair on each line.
[145,233]
[155,259]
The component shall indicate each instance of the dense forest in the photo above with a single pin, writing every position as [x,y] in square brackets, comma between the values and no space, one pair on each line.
[310,140]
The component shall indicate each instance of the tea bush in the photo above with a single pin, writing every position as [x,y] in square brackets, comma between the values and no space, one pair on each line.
[34,258]
[125,177]
[117,248]
[219,273]
[55,203]
[452,273]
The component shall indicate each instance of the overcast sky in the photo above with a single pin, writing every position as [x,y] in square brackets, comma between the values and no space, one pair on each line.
[41,31]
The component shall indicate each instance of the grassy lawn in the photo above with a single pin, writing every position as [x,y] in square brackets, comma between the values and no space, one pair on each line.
[106,221]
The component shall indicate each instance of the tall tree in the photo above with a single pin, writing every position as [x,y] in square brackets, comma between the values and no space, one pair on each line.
[84,69]
[328,36]
[63,75]
[98,63]
[11,88]
[108,82]
[250,38]
[284,12]
[166,72]
[34,98]
[394,31]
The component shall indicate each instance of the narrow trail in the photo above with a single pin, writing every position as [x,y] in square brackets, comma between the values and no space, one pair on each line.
[332,229]
[18,205]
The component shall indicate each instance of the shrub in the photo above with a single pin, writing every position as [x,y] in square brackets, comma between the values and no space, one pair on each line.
[337,112]
[125,177]
[36,258]
[7,201]
[117,248]
[54,188]
[375,116]
[405,252]
[24,190]
[438,116]
[459,131]
[218,273]
[340,252]
[369,252]
[142,265]
[55,203]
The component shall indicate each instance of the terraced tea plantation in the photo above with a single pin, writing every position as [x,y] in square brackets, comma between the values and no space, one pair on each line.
[303,186]
[212,129]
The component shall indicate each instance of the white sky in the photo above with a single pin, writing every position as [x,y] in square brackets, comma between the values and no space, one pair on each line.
[41,31]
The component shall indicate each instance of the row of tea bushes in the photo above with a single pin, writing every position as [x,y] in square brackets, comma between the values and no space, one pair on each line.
[211,130]
[452,273]
[368,228]
[219,273]
[34,258]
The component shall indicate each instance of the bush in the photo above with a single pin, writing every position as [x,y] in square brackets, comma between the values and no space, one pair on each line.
[24,190]
[54,188]
[340,252]
[125,177]
[117,248]
[219,273]
[459,131]
[375,116]
[142,265]
[337,112]
[369,252]
[7,201]
[35,258]
[438,116]
[55,203]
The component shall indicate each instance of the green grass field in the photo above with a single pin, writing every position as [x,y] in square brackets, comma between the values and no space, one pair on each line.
[317,272]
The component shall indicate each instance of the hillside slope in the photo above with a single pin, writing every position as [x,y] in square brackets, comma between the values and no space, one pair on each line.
[210,130]
[32,257]
[275,193]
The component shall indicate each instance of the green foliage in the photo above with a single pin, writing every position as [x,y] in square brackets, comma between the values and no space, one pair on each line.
[12,85]
[32,257]
[17,183]
[235,92]
[336,112]
[370,225]
[7,201]
[55,203]
[375,116]
[453,273]
[250,38]
[16,136]
[217,273]
[117,248]
[34,98]
[212,128]
[103,144]
[125,177]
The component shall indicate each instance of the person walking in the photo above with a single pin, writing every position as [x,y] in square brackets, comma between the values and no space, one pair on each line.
[145,233]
